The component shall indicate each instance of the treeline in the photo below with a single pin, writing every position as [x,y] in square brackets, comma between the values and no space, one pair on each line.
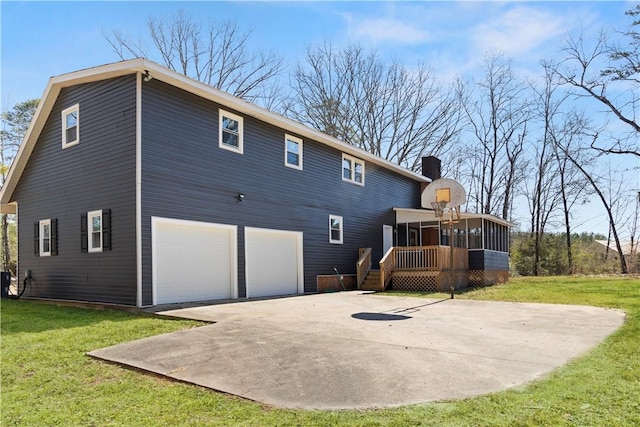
[588,256]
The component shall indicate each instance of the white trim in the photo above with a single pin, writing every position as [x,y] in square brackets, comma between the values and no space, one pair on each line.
[221,115]
[42,224]
[352,174]
[233,250]
[139,189]
[90,247]
[334,241]
[387,228]
[408,215]
[65,113]
[298,141]
[18,241]
[299,255]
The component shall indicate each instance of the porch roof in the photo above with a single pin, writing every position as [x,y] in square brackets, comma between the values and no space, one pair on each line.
[406,215]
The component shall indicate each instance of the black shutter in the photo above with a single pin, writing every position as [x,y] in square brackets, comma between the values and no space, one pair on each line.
[54,237]
[84,236]
[36,239]
[106,230]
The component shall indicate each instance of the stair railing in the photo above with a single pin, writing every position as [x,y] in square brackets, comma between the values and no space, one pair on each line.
[363,266]
[387,265]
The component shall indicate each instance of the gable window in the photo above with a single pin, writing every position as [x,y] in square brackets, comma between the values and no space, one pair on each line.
[95,231]
[352,169]
[293,152]
[45,237]
[335,229]
[71,126]
[230,134]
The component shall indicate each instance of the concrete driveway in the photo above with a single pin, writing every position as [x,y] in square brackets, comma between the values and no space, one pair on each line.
[357,350]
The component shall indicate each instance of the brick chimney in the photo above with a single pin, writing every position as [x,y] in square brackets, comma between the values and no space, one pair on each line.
[431,167]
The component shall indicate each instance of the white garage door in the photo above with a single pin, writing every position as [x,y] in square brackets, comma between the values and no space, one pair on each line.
[273,262]
[193,261]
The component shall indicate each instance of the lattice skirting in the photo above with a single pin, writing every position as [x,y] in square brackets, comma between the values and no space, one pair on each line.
[487,278]
[427,281]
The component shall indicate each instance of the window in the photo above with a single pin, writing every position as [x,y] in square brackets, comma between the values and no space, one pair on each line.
[95,231]
[45,237]
[71,126]
[352,169]
[293,152]
[230,131]
[335,229]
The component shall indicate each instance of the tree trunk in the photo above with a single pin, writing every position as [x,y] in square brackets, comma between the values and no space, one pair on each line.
[612,223]
[567,226]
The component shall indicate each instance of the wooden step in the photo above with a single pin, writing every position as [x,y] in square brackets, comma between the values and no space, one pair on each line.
[372,281]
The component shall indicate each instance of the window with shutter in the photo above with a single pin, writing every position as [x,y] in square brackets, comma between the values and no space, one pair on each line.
[94,231]
[45,237]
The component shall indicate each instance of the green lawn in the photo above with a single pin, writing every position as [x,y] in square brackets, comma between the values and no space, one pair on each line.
[47,379]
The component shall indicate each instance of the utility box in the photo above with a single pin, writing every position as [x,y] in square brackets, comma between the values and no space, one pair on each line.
[5,281]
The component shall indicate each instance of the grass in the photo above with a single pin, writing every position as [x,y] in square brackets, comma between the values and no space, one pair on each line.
[47,379]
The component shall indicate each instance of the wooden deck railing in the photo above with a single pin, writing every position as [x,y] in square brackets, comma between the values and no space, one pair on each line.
[363,266]
[421,258]
[387,265]
[430,258]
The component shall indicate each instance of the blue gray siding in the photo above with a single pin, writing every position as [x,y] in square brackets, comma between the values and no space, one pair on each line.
[187,176]
[98,173]
[481,259]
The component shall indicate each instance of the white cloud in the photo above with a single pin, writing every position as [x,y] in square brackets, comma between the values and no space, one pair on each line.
[518,31]
[380,30]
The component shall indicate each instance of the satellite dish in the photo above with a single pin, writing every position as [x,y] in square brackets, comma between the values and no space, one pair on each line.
[445,192]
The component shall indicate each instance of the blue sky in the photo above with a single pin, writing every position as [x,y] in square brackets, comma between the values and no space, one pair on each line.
[42,39]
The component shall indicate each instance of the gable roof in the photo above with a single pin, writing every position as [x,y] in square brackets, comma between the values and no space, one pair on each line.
[156,71]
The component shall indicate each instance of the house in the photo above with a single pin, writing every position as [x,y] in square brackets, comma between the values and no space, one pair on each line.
[139,186]
[606,246]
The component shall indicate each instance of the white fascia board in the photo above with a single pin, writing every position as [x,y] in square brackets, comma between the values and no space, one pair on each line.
[417,215]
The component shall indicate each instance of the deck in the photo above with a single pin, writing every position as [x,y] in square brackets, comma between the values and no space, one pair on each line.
[419,268]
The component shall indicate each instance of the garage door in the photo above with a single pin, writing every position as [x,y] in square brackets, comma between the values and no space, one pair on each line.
[273,262]
[193,261]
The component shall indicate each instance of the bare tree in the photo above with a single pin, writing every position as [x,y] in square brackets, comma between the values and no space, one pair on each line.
[217,55]
[543,193]
[554,186]
[15,123]
[574,157]
[571,187]
[609,73]
[390,110]
[498,120]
